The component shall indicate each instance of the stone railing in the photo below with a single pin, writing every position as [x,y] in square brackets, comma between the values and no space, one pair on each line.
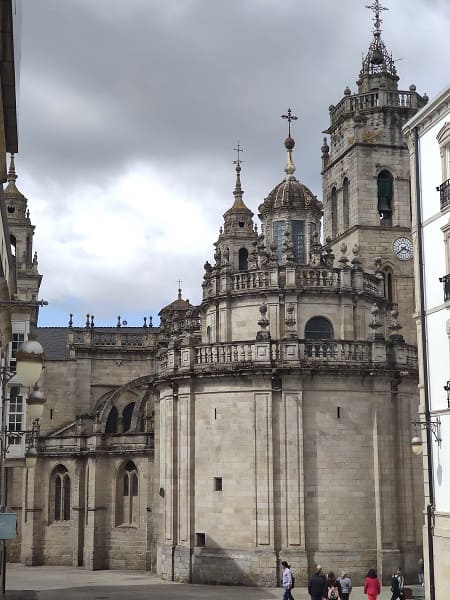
[244,352]
[376,99]
[323,279]
[371,285]
[250,280]
[68,444]
[113,337]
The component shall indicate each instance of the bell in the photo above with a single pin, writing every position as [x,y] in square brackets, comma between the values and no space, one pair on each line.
[384,205]
[377,57]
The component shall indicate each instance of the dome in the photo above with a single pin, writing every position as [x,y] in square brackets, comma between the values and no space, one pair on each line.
[289,194]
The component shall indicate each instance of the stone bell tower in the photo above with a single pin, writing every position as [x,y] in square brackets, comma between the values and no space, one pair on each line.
[366,182]
[21,236]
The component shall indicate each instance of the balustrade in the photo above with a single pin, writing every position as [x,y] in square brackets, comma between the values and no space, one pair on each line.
[370,100]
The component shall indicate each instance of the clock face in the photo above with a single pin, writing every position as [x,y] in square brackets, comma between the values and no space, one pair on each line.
[403,248]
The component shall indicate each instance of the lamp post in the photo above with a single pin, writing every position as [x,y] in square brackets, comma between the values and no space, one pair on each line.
[29,363]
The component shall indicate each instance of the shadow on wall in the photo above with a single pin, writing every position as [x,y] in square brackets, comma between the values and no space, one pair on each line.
[216,566]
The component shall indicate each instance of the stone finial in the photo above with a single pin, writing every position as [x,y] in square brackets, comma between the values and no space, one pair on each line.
[375,324]
[378,270]
[263,322]
[288,246]
[290,320]
[253,257]
[88,322]
[92,321]
[394,326]
[347,91]
[145,323]
[71,321]
[151,321]
[356,262]
[343,260]
[316,250]
[118,324]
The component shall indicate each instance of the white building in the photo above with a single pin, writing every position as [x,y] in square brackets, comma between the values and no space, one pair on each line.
[428,134]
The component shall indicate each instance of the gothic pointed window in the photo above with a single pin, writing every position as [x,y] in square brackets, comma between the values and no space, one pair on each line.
[333,212]
[127,495]
[385,192]
[111,422]
[388,284]
[127,415]
[60,495]
[243,259]
[345,204]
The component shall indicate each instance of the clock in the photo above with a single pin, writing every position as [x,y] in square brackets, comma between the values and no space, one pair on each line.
[403,248]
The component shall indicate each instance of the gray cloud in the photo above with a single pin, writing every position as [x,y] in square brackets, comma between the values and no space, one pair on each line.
[108,88]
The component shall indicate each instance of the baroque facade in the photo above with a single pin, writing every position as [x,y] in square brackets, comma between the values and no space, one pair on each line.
[272,420]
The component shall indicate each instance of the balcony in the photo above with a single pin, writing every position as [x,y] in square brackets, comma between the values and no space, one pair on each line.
[446,282]
[444,190]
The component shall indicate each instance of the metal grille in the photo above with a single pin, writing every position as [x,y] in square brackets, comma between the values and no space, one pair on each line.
[444,190]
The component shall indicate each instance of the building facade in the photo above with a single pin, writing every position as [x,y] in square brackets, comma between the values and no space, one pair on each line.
[428,135]
[239,432]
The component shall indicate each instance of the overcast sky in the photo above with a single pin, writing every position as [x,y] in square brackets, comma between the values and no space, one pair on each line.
[129,113]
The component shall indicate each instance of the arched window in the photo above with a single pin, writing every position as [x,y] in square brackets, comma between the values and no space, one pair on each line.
[127,415]
[333,212]
[127,495]
[243,259]
[388,285]
[111,423]
[60,494]
[345,204]
[385,192]
[208,334]
[319,328]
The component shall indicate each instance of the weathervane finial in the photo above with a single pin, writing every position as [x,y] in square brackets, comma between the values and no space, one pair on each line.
[376,7]
[238,149]
[290,117]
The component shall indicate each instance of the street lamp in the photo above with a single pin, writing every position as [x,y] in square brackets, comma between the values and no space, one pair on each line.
[29,364]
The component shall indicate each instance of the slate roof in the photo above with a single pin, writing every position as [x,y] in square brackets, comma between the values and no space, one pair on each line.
[54,342]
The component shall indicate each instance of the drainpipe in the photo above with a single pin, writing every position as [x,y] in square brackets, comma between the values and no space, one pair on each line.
[430,506]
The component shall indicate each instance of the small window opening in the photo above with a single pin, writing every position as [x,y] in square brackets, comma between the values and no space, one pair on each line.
[217,484]
[385,190]
[127,415]
[111,423]
[243,259]
[200,539]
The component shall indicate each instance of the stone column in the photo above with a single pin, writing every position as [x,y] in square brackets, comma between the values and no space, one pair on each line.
[32,517]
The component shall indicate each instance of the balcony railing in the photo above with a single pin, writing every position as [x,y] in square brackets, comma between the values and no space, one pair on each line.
[444,190]
[446,283]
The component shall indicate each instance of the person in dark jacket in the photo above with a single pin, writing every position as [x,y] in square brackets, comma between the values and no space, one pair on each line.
[317,585]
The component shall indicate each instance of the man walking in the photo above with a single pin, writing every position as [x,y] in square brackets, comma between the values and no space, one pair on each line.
[287,581]
[317,584]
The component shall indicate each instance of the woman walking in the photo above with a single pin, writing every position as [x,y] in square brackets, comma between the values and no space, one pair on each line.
[372,585]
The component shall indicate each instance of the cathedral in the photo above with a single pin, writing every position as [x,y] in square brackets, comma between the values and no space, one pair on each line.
[273,420]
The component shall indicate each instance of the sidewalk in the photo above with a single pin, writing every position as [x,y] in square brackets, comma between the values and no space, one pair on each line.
[67,583]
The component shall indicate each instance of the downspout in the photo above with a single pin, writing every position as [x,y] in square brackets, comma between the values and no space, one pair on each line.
[430,506]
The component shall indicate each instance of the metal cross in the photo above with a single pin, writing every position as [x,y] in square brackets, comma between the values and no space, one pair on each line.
[179,284]
[239,149]
[377,8]
[290,117]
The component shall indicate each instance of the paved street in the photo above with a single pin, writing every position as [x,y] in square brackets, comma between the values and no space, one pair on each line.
[64,583]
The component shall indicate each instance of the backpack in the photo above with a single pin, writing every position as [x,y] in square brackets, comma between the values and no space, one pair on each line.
[333,593]
[395,584]
[293,580]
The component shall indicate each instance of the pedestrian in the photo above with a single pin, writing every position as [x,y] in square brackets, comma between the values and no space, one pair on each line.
[346,585]
[287,581]
[317,584]
[420,571]
[372,585]
[333,590]
[397,585]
